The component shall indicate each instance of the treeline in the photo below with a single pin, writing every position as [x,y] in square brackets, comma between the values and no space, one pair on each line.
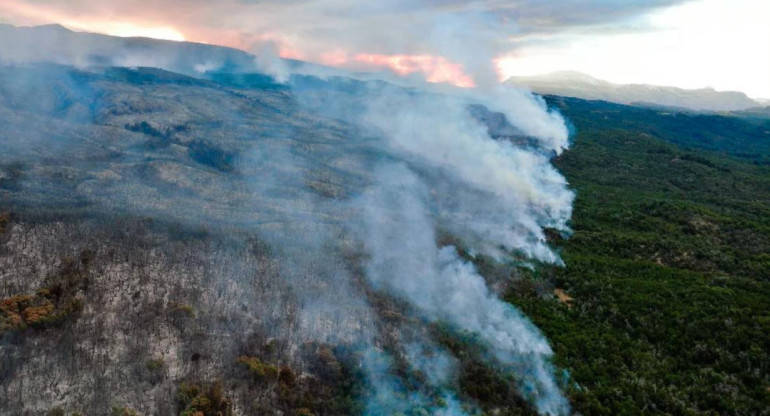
[668,267]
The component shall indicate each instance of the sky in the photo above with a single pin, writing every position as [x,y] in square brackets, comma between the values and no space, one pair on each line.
[723,44]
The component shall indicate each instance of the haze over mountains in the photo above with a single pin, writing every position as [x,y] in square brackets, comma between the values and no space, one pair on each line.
[57,44]
[580,85]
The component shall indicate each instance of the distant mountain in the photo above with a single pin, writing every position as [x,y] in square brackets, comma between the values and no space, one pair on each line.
[579,85]
[57,44]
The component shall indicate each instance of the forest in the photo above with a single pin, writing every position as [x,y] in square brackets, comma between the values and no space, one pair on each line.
[667,277]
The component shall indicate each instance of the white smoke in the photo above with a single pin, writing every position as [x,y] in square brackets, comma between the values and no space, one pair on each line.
[522,192]
[441,170]
[495,196]
[528,112]
[437,365]
[388,395]
[268,61]
[405,261]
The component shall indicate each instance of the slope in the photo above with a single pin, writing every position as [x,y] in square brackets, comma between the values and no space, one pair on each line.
[668,267]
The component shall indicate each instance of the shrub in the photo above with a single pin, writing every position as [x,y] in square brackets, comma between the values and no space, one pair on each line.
[210,155]
[155,364]
[287,376]
[185,309]
[56,411]
[260,371]
[123,411]
[196,400]
[4,220]
[11,176]
[49,305]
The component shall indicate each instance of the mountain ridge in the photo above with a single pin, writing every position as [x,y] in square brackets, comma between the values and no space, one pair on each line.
[580,85]
[55,43]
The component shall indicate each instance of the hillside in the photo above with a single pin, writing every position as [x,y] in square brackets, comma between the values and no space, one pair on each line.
[745,134]
[667,271]
[172,244]
[137,211]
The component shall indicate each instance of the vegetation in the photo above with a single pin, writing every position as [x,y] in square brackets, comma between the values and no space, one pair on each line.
[156,364]
[337,384]
[11,176]
[492,387]
[668,268]
[4,220]
[58,411]
[49,305]
[200,151]
[247,81]
[333,385]
[259,370]
[185,309]
[743,135]
[207,154]
[123,411]
[196,399]
[663,308]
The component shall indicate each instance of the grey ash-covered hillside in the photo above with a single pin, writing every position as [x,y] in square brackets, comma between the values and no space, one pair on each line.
[137,139]
[131,202]
[172,244]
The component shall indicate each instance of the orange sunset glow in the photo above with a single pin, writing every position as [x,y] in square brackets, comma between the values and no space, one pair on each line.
[40,14]
[435,68]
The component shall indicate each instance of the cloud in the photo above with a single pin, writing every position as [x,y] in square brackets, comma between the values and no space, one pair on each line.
[467,33]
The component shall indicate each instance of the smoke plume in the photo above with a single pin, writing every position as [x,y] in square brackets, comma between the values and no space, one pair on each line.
[400,224]
[351,183]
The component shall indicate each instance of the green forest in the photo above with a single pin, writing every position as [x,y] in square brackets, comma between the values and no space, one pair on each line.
[665,297]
